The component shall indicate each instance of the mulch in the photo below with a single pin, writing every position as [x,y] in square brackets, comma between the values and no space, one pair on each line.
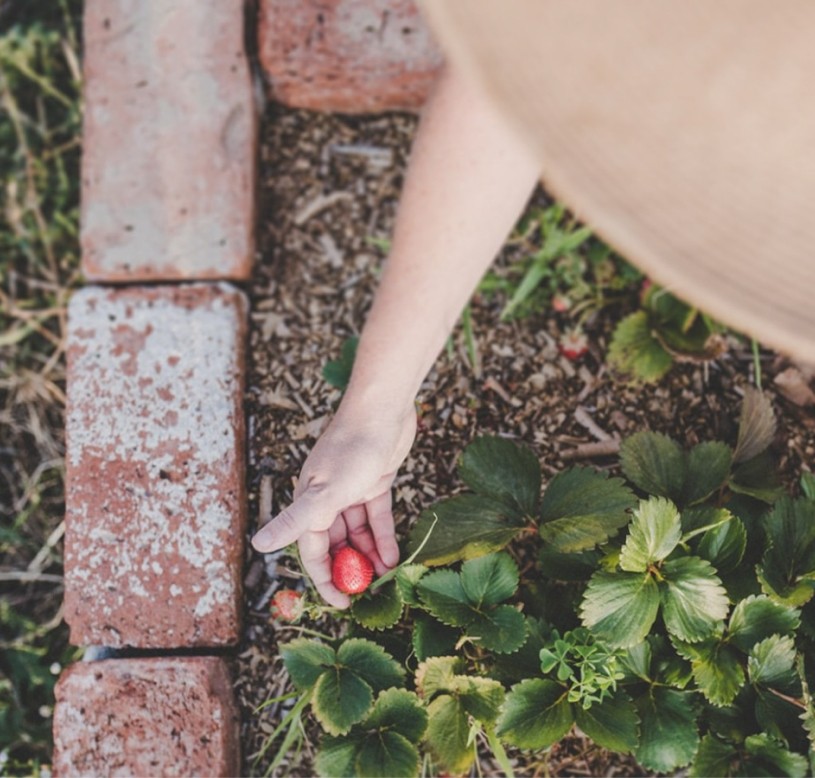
[329,190]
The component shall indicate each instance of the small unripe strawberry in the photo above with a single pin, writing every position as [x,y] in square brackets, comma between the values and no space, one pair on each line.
[561,303]
[287,605]
[573,345]
[351,571]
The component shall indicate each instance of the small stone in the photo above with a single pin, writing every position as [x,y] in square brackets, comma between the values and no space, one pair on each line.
[155,488]
[154,716]
[351,56]
[169,135]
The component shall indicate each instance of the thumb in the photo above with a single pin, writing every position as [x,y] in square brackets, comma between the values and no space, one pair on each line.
[287,527]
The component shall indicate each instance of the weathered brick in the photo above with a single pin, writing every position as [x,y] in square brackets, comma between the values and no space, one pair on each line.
[168,170]
[352,56]
[155,508]
[146,717]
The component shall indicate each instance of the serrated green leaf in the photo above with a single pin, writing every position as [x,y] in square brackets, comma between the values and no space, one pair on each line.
[380,609]
[568,567]
[407,577]
[716,669]
[448,733]
[724,546]
[612,724]
[768,757]
[757,425]
[758,617]
[637,661]
[758,478]
[708,469]
[636,352]
[582,507]
[387,755]
[779,717]
[481,697]
[654,532]
[668,734]
[502,629]
[498,468]
[431,638]
[443,595]
[306,660]
[714,757]
[772,663]
[620,607]
[655,463]
[371,663]
[693,598]
[536,714]
[340,699]
[337,756]
[469,526]
[437,675]
[489,579]
[398,710]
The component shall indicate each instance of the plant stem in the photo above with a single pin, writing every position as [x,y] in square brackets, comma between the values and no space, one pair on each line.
[500,754]
[756,363]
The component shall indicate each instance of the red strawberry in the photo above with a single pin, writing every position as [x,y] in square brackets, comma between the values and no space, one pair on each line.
[573,345]
[287,605]
[351,571]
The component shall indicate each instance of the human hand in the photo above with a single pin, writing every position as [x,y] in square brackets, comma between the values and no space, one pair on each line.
[343,496]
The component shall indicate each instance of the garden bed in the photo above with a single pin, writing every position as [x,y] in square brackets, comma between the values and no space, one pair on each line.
[330,186]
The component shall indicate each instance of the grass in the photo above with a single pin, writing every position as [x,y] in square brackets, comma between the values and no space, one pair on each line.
[40,118]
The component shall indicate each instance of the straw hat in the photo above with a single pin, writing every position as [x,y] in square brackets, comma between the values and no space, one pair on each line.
[683,131]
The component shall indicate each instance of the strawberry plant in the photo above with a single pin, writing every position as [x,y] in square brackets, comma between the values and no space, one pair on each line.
[669,613]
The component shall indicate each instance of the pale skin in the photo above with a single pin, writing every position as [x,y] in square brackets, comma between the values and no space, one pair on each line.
[468,180]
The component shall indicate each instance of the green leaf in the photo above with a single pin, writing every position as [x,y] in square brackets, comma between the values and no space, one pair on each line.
[387,755]
[708,469]
[535,715]
[398,710]
[582,507]
[380,609]
[636,352]
[668,734]
[338,372]
[430,638]
[620,607]
[306,660]
[772,663]
[502,630]
[371,663]
[757,425]
[765,756]
[337,756]
[469,526]
[655,531]
[758,617]
[758,478]
[716,669]
[808,485]
[693,598]
[724,546]
[654,463]
[612,724]
[489,579]
[481,698]
[568,567]
[406,579]
[340,699]
[448,734]
[498,468]
[437,675]
[443,596]
[714,757]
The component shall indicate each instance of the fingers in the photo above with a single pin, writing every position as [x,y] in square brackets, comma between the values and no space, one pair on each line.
[360,537]
[380,520]
[304,514]
[316,561]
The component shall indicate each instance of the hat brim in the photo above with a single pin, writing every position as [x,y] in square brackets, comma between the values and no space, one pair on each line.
[684,133]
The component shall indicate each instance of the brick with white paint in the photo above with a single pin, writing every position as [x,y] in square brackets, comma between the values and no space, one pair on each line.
[154,716]
[155,493]
[168,168]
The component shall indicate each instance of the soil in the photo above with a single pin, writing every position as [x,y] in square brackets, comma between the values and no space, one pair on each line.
[330,186]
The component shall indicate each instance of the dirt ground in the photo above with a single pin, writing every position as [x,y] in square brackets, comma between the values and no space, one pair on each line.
[330,186]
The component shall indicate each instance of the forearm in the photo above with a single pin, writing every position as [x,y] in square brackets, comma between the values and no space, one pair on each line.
[468,180]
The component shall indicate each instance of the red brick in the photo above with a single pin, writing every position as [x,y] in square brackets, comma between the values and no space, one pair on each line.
[146,717]
[168,169]
[155,492]
[352,56]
